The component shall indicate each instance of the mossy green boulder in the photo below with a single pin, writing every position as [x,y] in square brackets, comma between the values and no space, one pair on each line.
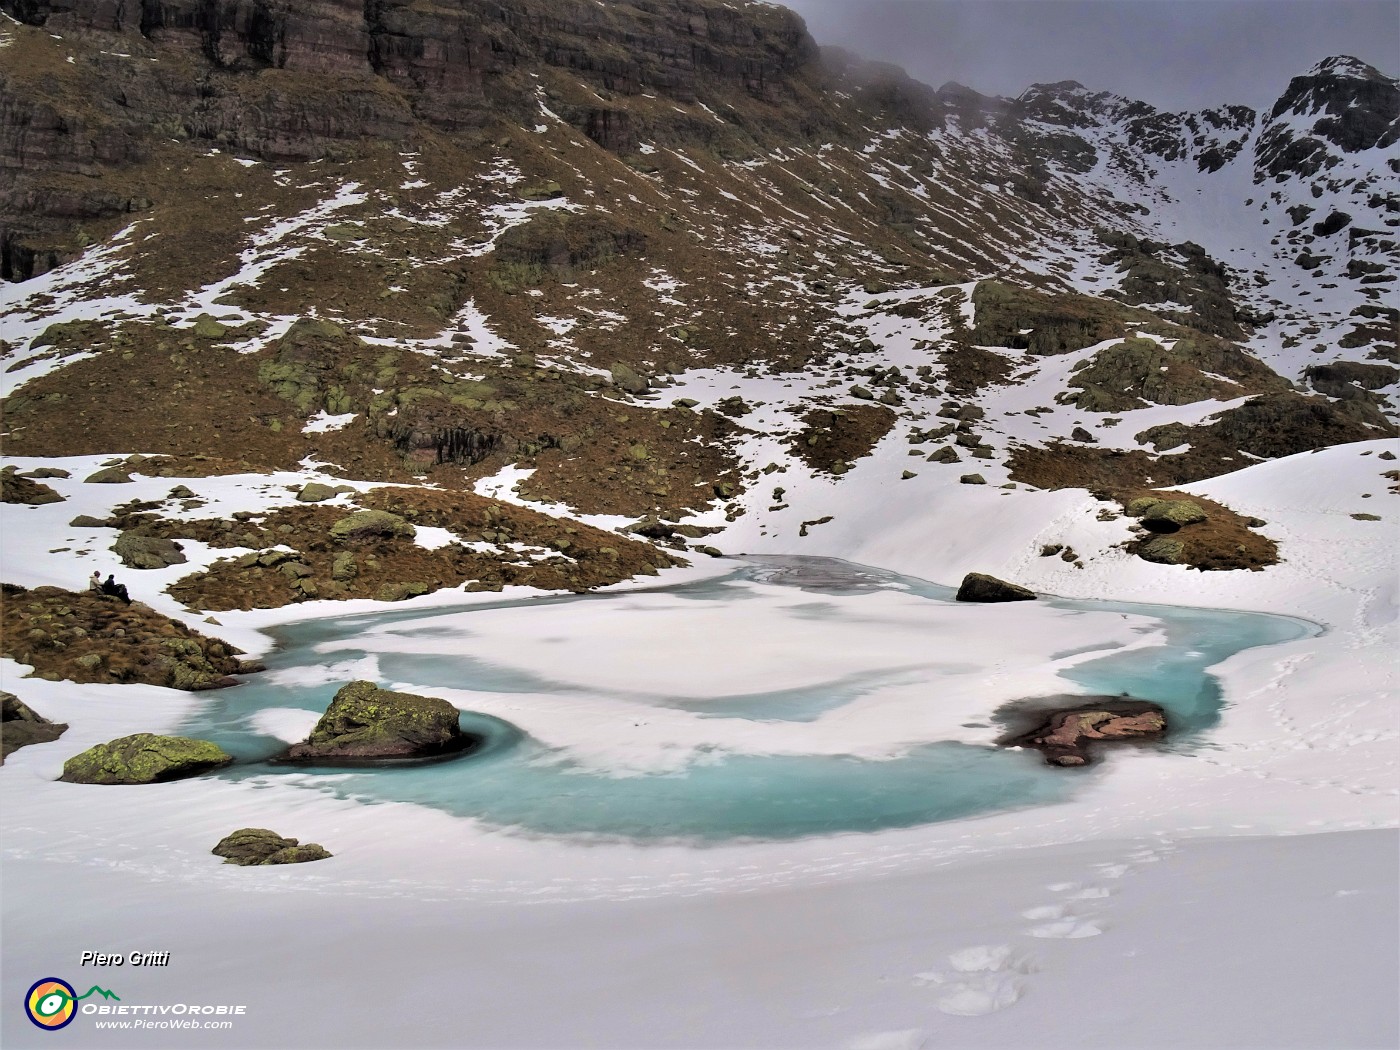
[398,592]
[344,231]
[316,492]
[541,191]
[206,327]
[344,568]
[1168,515]
[78,334]
[256,846]
[1165,550]
[625,377]
[371,524]
[139,551]
[1136,508]
[144,758]
[191,665]
[366,722]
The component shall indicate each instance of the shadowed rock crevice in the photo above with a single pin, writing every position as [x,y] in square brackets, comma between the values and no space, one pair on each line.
[462,445]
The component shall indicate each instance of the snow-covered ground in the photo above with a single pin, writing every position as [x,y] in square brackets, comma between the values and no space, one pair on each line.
[1243,895]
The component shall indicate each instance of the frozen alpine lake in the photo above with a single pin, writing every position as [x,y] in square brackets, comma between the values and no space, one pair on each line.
[792,696]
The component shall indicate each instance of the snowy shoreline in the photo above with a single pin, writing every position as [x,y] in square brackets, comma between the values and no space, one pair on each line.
[1291,807]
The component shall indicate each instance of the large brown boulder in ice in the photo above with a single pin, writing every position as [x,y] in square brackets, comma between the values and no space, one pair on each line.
[979,587]
[365,722]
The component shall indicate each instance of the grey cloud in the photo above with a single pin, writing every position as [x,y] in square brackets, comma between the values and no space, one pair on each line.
[1175,54]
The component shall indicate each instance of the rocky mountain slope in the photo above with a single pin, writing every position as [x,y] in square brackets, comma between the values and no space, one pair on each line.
[663,266]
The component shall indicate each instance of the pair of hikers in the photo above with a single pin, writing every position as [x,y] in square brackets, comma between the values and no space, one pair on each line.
[109,586]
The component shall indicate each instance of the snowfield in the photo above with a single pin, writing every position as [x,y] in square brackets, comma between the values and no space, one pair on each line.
[1242,895]
[1240,892]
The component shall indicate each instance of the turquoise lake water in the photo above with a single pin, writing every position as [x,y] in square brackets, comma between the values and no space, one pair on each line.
[515,781]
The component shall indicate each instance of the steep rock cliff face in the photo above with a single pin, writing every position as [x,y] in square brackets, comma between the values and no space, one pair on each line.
[1340,106]
[447,54]
[316,35]
[297,81]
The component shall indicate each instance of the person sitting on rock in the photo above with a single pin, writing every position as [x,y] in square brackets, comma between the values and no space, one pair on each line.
[115,589]
[95,582]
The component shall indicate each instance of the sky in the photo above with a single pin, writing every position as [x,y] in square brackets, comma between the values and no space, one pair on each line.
[1175,54]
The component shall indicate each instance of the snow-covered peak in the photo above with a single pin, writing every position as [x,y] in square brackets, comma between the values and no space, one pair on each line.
[1059,89]
[1345,66]
[1068,103]
[1345,88]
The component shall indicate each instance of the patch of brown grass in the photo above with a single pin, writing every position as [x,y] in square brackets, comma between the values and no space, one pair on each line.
[1225,540]
[1063,466]
[831,439]
[570,556]
[82,637]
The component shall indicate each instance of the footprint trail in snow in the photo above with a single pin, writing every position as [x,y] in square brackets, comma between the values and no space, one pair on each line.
[985,978]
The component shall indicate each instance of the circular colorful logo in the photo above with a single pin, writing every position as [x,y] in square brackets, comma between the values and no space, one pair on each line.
[51,1003]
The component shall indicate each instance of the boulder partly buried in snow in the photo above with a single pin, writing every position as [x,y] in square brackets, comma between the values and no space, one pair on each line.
[16,488]
[398,592]
[144,758]
[316,492]
[252,846]
[21,726]
[979,587]
[108,476]
[139,551]
[364,723]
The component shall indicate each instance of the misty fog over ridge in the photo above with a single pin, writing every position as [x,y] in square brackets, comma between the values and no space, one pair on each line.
[1174,54]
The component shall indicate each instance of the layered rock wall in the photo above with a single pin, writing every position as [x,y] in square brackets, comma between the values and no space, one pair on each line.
[458,48]
[290,81]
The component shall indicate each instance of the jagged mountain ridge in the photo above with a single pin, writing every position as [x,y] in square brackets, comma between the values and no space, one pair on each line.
[1066,147]
[1326,151]
[524,220]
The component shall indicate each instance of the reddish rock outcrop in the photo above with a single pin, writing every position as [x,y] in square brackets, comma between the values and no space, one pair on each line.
[1065,736]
